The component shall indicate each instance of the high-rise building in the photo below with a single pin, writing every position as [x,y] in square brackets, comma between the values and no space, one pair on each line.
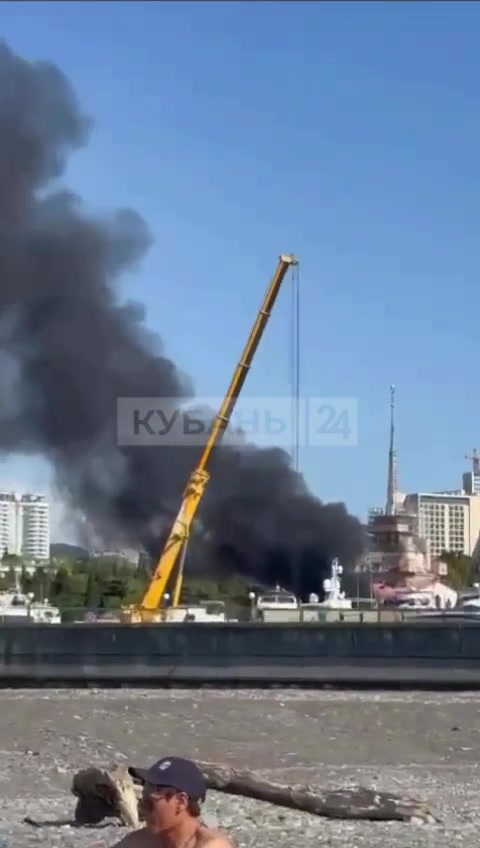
[24,525]
[471,483]
[11,523]
[449,520]
[36,527]
[471,479]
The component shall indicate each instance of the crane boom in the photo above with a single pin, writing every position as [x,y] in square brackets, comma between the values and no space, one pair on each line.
[179,534]
[224,415]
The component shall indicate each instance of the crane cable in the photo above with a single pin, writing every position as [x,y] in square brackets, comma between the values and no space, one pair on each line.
[295,366]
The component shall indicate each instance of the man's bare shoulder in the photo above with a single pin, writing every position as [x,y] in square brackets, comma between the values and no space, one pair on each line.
[210,838]
[219,840]
[137,839]
[207,838]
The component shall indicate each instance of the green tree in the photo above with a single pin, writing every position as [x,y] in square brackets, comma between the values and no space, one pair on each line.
[114,590]
[144,568]
[8,581]
[41,583]
[461,571]
[60,583]
[12,560]
[92,592]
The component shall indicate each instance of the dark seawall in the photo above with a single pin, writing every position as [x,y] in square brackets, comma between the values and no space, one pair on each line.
[421,653]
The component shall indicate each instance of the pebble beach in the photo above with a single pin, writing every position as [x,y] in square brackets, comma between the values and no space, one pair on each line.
[411,743]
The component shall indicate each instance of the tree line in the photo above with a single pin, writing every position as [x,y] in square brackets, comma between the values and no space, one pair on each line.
[106,583]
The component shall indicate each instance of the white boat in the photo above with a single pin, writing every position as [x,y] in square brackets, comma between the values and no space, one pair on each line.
[205,612]
[411,600]
[13,605]
[470,599]
[45,613]
[17,606]
[335,598]
[277,599]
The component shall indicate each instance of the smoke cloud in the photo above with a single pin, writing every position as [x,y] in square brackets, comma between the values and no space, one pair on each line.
[69,348]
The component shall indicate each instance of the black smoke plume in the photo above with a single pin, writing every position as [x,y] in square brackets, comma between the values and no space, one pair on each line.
[69,349]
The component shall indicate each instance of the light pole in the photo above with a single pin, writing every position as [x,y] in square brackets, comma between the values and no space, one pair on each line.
[252,599]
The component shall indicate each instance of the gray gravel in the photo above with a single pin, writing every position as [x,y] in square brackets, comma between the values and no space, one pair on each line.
[413,743]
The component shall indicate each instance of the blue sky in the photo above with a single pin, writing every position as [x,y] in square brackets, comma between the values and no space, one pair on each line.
[348,133]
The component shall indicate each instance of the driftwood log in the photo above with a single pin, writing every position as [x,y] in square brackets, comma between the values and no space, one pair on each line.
[103,793]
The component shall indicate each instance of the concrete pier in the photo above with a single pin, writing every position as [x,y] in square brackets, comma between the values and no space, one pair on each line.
[434,653]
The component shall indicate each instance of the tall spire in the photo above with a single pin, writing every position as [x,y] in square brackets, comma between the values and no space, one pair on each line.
[392,460]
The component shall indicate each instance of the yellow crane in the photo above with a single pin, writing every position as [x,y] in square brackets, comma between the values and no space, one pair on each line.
[173,555]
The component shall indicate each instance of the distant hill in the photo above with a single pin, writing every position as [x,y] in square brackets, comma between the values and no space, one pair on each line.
[62,549]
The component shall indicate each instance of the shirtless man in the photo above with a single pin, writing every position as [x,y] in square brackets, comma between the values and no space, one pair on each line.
[173,792]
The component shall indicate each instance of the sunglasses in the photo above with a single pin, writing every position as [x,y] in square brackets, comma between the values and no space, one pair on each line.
[151,795]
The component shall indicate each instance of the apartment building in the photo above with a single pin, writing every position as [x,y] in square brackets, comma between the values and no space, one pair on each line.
[449,520]
[24,525]
[36,527]
[11,523]
[471,482]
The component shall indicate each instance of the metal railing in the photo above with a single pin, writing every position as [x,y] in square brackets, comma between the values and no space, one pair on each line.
[365,612]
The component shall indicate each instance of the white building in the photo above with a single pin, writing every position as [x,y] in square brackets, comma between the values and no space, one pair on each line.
[471,483]
[11,523]
[449,520]
[129,555]
[36,527]
[24,525]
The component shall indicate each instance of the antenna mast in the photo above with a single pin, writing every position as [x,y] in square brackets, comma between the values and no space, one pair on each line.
[392,460]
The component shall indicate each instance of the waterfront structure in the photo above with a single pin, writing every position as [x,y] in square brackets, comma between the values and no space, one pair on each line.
[389,535]
[392,530]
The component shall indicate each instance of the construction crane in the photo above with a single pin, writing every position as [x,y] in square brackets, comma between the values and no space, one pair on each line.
[172,559]
[475,460]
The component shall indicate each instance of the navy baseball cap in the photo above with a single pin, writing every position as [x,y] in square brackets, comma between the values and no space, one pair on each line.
[182,775]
